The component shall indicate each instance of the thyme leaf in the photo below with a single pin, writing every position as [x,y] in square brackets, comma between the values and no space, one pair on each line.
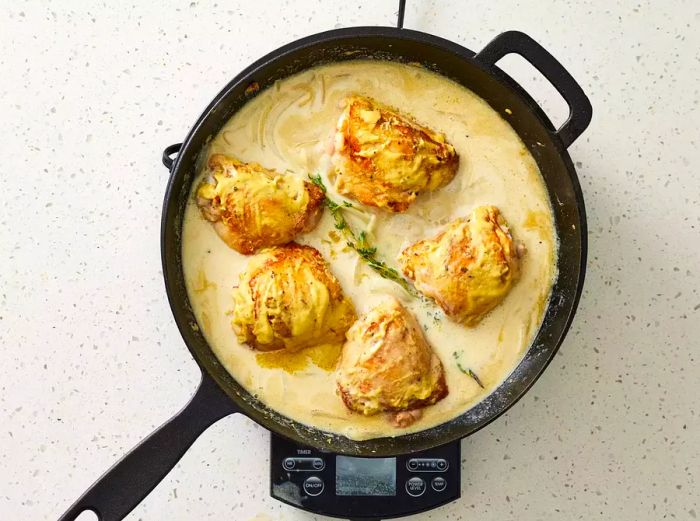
[359,242]
[467,370]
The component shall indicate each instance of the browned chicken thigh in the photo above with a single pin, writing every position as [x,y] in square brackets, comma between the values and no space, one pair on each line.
[469,268]
[253,207]
[384,159]
[388,366]
[288,298]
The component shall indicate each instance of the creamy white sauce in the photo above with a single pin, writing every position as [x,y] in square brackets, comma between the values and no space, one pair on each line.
[289,127]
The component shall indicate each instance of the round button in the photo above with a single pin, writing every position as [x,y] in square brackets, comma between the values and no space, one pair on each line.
[412,464]
[439,484]
[313,486]
[441,464]
[289,463]
[317,464]
[415,487]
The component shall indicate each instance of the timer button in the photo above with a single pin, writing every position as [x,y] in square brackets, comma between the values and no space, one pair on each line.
[439,483]
[415,487]
[303,464]
[313,486]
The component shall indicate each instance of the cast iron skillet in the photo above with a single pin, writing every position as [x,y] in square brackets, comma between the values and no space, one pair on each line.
[118,491]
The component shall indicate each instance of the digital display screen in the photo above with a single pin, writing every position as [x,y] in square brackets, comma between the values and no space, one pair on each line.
[365,476]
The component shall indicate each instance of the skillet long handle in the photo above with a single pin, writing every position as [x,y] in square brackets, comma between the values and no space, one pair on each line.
[580,110]
[131,479]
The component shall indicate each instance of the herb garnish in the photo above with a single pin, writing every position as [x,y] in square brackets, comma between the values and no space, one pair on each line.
[467,370]
[359,242]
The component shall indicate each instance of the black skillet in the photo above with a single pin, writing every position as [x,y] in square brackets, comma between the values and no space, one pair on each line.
[119,490]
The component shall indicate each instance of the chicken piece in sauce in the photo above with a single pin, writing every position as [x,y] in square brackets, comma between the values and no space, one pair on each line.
[388,366]
[252,207]
[288,298]
[469,268]
[385,159]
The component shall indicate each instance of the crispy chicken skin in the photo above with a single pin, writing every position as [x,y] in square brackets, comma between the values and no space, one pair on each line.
[288,298]
[388,366]
[469,268]
[253,207]
[384,159]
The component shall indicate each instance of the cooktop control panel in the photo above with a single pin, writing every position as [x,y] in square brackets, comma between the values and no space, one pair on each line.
[363,488]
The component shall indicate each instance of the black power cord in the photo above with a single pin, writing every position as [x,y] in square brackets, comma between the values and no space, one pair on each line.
[399,24]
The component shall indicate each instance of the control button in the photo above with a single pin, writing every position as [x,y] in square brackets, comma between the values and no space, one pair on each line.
[313,486]
[415,487]
[438,483]
[303,464]
[427,465]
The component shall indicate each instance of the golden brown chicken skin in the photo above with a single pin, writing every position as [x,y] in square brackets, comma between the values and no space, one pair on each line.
[469,268]
[388,366]
[384,159]
[253,207]
[288,298]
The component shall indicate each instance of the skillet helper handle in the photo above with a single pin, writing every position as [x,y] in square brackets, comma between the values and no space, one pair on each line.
[131,479]
[168,153]
[580,111]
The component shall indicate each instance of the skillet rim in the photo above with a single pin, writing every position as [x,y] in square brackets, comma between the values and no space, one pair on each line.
[252,407]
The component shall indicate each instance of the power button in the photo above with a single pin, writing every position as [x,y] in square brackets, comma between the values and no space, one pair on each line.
[313,486]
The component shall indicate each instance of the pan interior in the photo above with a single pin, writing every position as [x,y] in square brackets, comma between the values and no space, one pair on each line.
[289,128]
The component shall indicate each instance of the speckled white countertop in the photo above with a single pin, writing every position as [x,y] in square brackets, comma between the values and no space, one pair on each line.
[91,360]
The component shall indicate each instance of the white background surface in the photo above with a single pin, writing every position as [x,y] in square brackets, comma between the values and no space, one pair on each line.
[91,92]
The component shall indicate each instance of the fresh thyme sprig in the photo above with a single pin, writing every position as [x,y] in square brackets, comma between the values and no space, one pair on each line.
[467,370]
[359,242]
